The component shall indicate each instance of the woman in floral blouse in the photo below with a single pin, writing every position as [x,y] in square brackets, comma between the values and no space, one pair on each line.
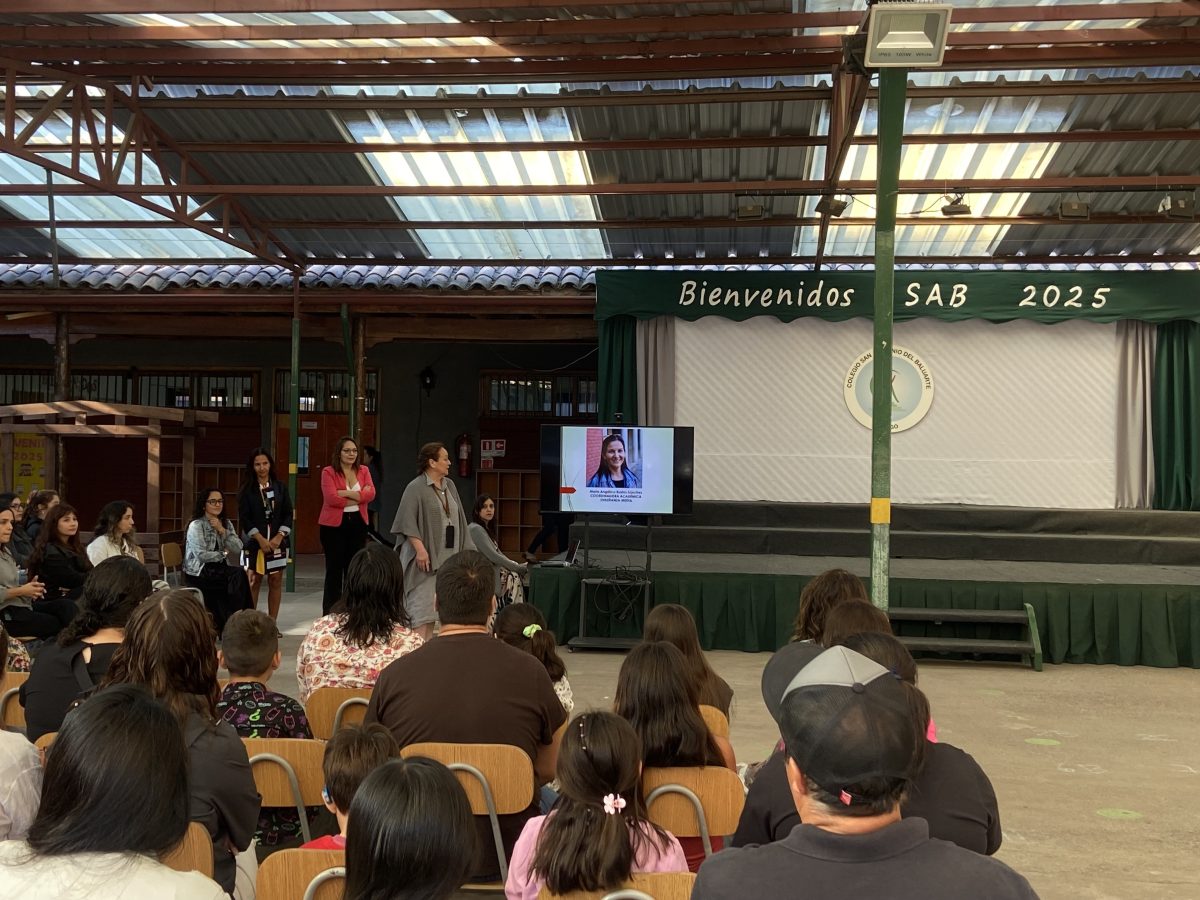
[368,629]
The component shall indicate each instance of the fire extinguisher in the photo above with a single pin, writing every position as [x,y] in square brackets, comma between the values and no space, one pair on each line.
[463,448]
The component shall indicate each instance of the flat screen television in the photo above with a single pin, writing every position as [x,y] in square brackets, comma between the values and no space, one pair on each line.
[620,469]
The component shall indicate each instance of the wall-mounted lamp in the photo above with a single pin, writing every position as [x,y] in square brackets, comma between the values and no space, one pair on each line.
[428,379]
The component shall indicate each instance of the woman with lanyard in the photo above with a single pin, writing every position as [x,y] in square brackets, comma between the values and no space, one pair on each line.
[265,515]
[431,527]
[346,489]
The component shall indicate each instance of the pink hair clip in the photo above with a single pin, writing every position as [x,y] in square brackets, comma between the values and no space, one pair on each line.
[613,804]
[845,798]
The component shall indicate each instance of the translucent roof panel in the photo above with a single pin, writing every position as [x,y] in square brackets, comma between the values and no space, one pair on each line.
[458,129]
[97,242]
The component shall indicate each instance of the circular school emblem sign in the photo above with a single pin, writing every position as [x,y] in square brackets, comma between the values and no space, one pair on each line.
[911,389]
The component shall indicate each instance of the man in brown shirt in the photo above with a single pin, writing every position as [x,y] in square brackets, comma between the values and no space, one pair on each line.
[466,687]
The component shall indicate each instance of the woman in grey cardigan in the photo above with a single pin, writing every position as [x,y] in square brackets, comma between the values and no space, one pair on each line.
[430,527]
[483,535]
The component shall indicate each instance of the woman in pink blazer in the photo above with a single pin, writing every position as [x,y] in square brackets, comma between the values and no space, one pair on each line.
[346,489]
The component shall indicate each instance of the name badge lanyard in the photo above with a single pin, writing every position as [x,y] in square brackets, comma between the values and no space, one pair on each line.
[445,501]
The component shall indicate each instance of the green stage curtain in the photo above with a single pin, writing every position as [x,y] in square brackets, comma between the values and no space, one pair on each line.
[1176,419]
[618,369]
[1123,624]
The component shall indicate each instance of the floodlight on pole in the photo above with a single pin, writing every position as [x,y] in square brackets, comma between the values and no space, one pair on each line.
[907,35]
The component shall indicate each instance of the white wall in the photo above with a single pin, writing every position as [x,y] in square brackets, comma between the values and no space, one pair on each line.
[1023,414]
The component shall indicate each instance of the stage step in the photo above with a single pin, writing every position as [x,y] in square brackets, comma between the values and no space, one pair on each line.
[930,532]
[968,646]
[1029,646]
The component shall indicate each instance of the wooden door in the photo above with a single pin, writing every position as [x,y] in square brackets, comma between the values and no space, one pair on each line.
[318,434]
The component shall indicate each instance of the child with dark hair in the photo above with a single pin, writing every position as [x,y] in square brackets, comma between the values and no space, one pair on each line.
[674,624]
[656,697]
[75,663]
[114,801]
[170,648]
[819,596]
[351,755]
[523,626]
[853,617]
[598,833]
[410,833]
[250,651]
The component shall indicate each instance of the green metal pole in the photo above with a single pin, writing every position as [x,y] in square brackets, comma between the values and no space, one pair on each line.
[351,368]
[892,83]
[294,425]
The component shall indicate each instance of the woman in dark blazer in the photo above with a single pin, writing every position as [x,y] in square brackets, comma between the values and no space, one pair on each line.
[346,491]
[59,560]
[265,517]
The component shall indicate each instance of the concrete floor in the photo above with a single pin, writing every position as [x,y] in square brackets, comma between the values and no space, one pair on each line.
[1097,768]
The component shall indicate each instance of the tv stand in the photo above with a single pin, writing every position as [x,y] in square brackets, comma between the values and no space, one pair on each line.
[622,584]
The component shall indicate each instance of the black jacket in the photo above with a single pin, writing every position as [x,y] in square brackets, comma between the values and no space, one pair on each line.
[951,793]
[257,511]
[62,572]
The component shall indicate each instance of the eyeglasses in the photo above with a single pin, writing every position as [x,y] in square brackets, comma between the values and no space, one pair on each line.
[17,505]
[216,501]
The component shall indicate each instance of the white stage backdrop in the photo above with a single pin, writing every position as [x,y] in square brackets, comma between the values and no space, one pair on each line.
[1023,414]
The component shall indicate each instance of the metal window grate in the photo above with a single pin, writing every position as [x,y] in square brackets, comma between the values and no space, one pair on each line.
[560,397]
[324,391]
[26,387]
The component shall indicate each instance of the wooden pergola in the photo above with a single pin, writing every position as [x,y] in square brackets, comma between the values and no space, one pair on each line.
[88,418]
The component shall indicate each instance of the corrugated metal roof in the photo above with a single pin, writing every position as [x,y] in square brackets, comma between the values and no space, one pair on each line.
[766,114]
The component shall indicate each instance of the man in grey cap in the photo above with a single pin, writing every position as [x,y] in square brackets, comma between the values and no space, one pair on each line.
[852,749]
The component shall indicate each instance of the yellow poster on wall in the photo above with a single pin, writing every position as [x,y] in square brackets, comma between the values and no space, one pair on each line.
[29,453]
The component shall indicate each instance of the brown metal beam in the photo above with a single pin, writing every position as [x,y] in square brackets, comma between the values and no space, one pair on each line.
[317,300]
[845,110]
[996,42]
[767,187]
[473,101]
[703,23]
[710,222]
[42,299]
[1080,56]
[616,145]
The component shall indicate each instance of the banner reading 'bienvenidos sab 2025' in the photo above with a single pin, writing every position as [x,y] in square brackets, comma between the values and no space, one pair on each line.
[996,296]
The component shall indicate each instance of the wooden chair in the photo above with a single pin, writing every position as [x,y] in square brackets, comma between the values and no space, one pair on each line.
[194,853]
[695,801]
[716,720]
[311,874]
[652,885]
[12,714]
[171,557]
[498,779]
[329,708]
[287,772]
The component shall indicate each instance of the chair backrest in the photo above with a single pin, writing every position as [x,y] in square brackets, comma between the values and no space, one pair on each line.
[508,770]
[194,853]
[716,720]
[287,772]
[287,874]
[170,555]
[655,885]
[12,714]
[498,779]
[694,801]
[324,705]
